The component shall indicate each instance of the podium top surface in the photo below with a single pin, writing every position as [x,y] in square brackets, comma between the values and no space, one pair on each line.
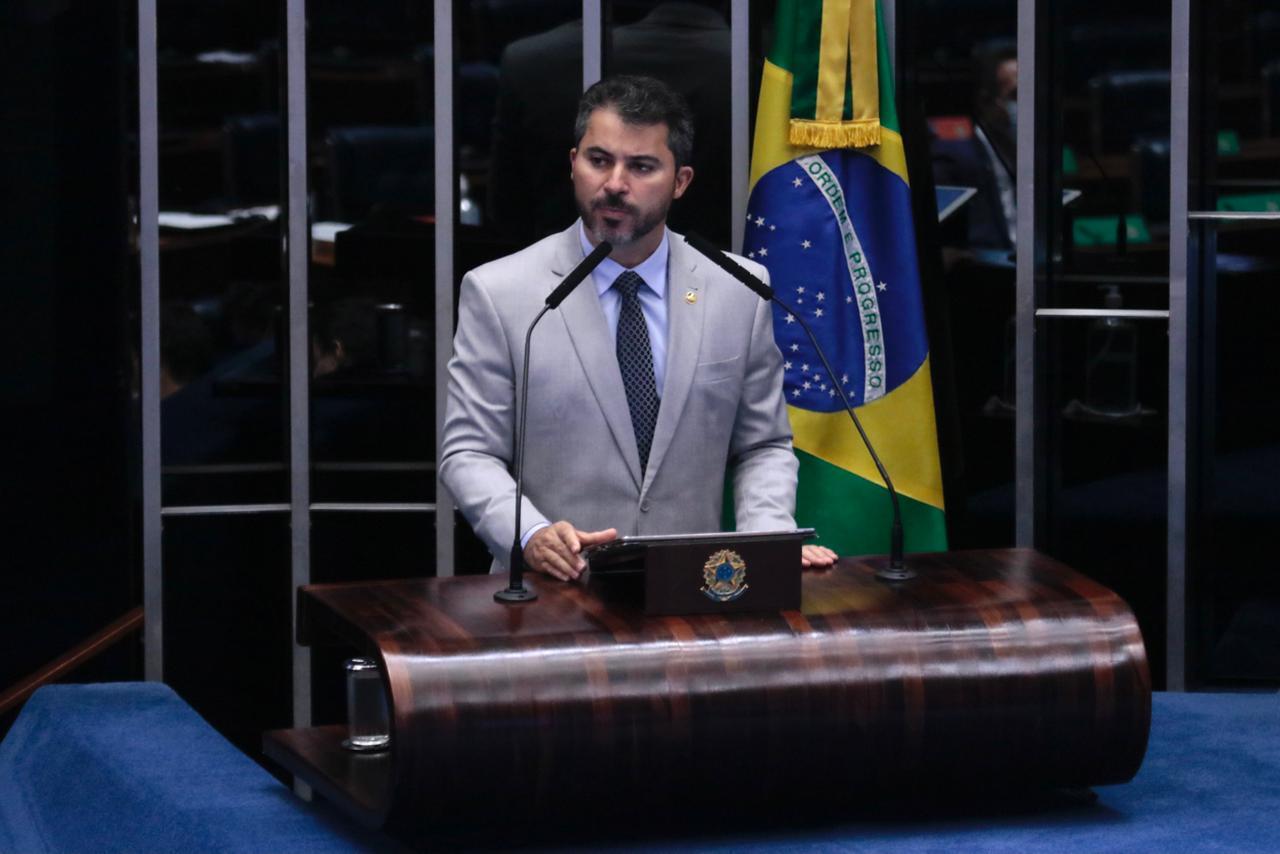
[953,589]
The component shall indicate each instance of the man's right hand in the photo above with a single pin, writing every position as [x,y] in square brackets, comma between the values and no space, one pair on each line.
[557,549]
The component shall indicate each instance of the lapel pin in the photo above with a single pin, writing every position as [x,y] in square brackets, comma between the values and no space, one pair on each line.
[690,297]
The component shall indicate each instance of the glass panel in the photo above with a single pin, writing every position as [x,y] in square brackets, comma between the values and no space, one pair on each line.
[1105,470]
[959,64]
[518,76]
[227,600]
[686,45]
[68,257]
[1102,418]
[372,180]
[1236,65]
[1108,84]
[221,320]
[1238,608]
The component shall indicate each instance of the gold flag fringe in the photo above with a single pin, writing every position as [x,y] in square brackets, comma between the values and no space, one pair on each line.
[853,134]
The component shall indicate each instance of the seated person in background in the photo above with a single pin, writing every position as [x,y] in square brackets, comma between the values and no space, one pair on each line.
[186,347]
[345,338]
[656,377]
[987,161]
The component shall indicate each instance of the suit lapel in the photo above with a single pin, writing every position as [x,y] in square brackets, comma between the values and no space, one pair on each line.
[684,341]
[592,342]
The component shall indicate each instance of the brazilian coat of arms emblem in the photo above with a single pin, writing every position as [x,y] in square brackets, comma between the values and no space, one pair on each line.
[725,576]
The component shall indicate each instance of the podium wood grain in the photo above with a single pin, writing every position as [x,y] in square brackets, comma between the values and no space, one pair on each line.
[993,668]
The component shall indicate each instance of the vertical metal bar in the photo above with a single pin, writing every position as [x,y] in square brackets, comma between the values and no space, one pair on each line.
[1025,298]
[739,116]
[1180,341]
[297,258]
[592,41]
[149,345]
[889,8]
[446,216]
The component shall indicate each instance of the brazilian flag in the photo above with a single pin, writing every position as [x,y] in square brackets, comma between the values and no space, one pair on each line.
[830,216]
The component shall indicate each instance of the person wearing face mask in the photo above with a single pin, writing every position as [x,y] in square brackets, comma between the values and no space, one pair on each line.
[656,377]
[988,161]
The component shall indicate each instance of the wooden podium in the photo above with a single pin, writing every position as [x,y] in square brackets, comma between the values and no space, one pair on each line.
[992,669]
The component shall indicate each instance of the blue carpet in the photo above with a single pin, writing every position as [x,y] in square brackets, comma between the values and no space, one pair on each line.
[1210,783]
[131,767]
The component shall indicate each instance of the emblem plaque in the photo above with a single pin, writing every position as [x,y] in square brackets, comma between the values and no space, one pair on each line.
[724,576]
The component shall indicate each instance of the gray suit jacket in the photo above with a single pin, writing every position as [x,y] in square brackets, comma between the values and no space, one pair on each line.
[722,405]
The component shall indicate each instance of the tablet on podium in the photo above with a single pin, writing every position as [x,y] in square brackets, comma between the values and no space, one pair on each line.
[712,573]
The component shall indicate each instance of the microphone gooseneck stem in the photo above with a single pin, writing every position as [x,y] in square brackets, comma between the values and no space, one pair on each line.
[515,590]
[897,570]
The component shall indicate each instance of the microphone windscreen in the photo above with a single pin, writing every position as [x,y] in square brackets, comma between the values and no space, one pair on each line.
[580,272]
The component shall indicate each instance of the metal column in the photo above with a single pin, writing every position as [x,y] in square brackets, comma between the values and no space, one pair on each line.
[446,216]
[297,258]
[739,116]
[149,345]
[592,42]
[1025,300]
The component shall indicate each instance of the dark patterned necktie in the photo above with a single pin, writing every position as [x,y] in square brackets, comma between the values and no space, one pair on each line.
[635,358]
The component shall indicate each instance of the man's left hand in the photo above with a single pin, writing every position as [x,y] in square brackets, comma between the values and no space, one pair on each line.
[817,557]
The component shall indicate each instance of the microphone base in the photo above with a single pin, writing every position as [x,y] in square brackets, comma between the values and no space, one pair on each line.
[895,574]
[514,595]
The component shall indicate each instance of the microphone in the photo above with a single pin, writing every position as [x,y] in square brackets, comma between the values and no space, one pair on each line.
[515,590]
[897,569]
[579,273]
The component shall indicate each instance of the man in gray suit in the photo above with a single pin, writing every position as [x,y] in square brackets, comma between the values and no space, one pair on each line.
[655,377]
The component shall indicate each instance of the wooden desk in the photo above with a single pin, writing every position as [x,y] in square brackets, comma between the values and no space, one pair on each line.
[992,669]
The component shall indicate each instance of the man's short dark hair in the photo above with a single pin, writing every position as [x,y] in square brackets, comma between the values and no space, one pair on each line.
[642,101]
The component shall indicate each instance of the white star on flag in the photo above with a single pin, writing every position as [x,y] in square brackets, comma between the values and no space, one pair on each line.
[821,296]
[800,289]
[848,299]
[759,221]
[831,392]
[773,228]
[884,286]
[786,366]
[751,254]
[804,244]
[763,251]
[791,318]
[795,347]
[845,379]
[817,313]
[807,385]
[797,183]
[795,392]
[750,216]
[805,367]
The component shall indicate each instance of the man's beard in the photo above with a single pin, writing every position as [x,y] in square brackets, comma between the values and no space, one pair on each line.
[643,222]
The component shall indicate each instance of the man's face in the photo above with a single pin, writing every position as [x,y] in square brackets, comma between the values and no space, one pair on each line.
[624,180]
